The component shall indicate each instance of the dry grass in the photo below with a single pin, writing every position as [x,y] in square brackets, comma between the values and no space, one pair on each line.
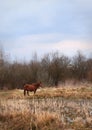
[73,92]
[26,121]
[50,109]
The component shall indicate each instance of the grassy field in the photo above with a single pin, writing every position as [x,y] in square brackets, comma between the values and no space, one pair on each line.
[62,108]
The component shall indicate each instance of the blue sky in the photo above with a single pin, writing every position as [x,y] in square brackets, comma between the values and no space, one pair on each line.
[42,26]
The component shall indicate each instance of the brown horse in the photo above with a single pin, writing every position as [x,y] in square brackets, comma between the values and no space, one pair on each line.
[31,87]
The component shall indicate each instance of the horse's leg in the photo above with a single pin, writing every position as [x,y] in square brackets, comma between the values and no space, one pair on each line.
[34,91]
[24,92]
[27,92]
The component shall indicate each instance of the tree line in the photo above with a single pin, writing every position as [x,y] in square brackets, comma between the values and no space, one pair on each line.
[52,69]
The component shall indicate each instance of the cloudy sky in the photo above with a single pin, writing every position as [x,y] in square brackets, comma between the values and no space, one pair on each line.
[42,26]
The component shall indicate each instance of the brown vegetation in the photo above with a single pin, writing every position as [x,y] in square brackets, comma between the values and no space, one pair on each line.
[49,109]
[52,69]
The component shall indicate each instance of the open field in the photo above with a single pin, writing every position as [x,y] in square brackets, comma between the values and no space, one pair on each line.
[62,108]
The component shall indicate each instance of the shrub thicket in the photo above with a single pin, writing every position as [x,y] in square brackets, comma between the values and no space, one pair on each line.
[52,69]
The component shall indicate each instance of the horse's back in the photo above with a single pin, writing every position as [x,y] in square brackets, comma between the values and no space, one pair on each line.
[29,87]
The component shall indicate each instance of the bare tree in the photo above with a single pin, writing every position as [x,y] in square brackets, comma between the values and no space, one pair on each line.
[79,66]
[89,69]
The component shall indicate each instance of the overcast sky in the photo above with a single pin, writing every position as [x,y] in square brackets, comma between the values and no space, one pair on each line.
[42,26]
